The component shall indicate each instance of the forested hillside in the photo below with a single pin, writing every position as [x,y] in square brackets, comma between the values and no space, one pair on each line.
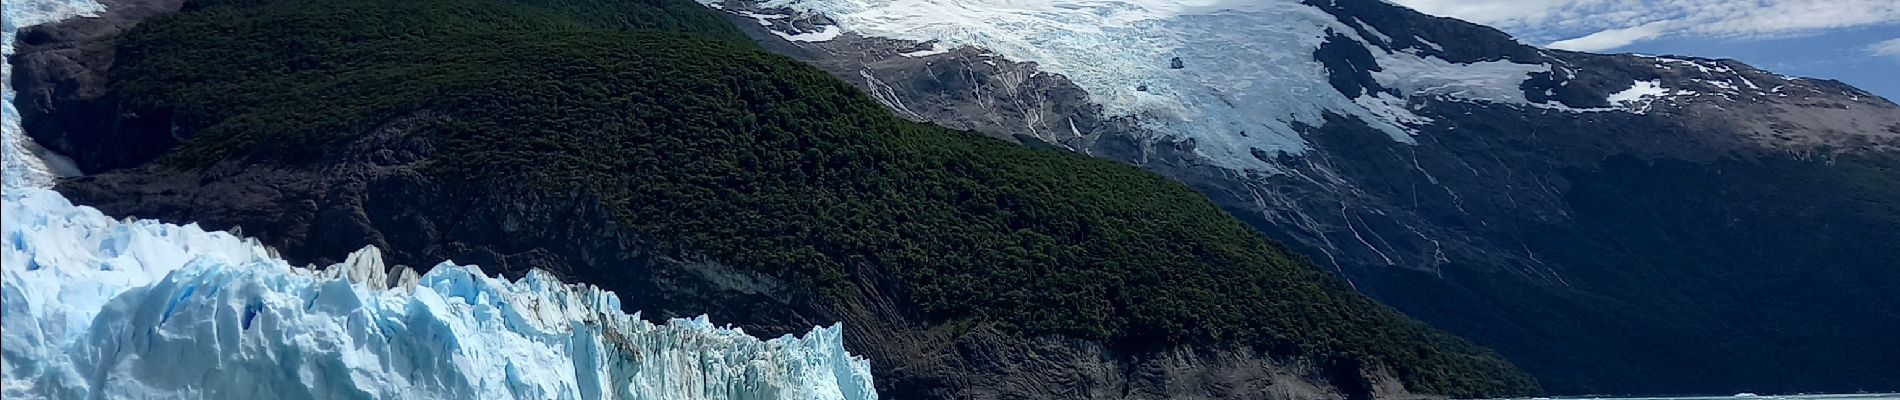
[703,145]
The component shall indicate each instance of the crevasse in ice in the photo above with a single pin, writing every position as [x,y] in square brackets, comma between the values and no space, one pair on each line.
[93,307]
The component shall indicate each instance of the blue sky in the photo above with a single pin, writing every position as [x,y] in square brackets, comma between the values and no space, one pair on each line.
[1855,41]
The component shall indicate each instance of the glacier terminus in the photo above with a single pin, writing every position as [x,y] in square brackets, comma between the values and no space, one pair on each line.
[96,307]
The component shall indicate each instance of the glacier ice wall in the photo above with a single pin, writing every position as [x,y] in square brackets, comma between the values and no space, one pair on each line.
[1248,79]
[92,307]
[95,307]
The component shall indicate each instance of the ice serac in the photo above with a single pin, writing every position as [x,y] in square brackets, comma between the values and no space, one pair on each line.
[140,309]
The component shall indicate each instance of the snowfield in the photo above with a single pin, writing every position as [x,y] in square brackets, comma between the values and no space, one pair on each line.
[1248,75]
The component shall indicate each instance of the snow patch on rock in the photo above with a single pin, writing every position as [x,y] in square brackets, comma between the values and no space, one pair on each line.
[1489,81]
[824,33]
[935,49]
[1642,96]
[797,28]
[1391,108]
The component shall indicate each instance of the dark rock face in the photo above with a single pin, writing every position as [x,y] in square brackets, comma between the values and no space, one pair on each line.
[372,194]
[1354,65]
[60,75]
[1450,39]
[1605,252]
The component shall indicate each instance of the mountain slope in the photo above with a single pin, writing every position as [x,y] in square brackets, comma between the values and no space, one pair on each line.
[1613,223]
[697,174]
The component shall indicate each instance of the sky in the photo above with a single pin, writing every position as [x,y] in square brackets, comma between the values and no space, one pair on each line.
[1855,41]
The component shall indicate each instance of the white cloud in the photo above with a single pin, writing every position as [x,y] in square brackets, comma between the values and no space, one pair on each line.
[1607,24]
[1889,49]
[1613,38]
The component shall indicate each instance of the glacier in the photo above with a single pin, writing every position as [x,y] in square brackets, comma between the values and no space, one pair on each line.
[1249,78]
[93,307]
[96,307]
